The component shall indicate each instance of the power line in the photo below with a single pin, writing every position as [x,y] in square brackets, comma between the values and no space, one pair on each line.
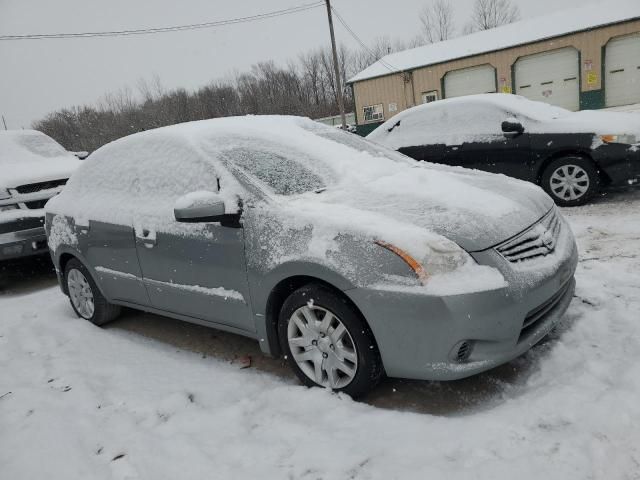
[175,28]
[385,64]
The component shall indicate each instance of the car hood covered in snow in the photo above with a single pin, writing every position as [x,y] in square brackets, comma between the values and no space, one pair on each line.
[29,156]
[476,210]
[590,121]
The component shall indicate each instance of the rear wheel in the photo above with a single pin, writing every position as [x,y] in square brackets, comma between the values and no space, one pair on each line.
[571,181]
[327,343]
[85,297]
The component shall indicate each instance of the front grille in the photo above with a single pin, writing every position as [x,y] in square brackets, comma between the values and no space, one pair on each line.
[538,241]
[36,204]
[21,224]
[535,316]
[36,187]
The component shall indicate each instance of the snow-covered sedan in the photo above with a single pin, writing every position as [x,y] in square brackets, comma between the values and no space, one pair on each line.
[569,154]
[33,168]
[348,258]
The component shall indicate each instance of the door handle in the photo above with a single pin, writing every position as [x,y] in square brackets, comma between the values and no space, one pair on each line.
[146,237]
[148,242]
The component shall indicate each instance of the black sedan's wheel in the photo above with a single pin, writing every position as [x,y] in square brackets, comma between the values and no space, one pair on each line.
[327,343]
[571,181]
[85,297]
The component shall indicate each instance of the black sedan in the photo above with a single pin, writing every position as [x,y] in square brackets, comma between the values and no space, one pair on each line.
[569,154]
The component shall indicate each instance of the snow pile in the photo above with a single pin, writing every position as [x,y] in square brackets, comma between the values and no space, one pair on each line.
[556,24]
[29,156]
[478,118]
[107,403]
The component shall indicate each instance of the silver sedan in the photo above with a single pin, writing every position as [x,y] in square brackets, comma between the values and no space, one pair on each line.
[347,258]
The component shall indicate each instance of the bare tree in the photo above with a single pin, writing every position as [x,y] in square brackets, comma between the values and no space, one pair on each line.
[489,14]
[437,21]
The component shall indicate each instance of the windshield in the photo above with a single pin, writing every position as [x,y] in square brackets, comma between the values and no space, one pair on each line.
[281,175]
[288,170]
[359,144]
[21,146]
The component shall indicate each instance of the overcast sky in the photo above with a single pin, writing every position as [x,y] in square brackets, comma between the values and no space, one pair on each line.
[39,76]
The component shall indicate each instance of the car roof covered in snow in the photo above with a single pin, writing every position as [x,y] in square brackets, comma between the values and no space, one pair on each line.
[508,102]
[559,23]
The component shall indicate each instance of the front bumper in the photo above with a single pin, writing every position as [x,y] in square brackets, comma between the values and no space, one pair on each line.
[23,243]
[419,335]
[620,162]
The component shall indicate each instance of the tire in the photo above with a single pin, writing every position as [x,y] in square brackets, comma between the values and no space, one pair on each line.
[581,177]
[78,279]
[326,355]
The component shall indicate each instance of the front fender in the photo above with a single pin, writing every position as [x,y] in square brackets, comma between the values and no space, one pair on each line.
[275,285]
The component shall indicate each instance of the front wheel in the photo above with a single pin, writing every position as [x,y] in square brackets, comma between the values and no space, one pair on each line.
[86,299]
[327,343]
[571,181]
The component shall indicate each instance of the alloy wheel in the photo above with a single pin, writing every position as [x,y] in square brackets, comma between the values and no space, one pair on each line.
[322,346]
[569,182]
[80,293]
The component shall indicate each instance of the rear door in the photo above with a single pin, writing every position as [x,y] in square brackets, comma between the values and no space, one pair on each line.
[110,249]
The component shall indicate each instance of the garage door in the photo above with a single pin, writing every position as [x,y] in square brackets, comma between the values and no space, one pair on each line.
[470,81]
[622,71]
[552,77]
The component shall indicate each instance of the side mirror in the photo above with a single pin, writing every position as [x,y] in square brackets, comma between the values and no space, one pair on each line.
[512,127]
[203,206]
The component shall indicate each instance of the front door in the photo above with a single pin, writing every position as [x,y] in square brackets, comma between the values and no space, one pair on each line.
[509,155]
[197,270]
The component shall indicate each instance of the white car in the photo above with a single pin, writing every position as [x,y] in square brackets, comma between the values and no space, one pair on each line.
[33,168]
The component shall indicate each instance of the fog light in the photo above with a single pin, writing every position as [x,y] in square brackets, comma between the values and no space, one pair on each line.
[462,351]
[12,250]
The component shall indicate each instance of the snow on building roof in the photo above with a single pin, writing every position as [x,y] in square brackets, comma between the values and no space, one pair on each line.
[560,23]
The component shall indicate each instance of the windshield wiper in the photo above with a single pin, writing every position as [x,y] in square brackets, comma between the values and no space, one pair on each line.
[396,125]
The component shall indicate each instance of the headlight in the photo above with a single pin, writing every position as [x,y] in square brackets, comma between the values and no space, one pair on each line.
[626,139]
[4,208]
[4,194]
[413,264]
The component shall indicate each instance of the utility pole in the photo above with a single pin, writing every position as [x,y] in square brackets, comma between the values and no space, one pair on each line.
[336,67]
[5,123]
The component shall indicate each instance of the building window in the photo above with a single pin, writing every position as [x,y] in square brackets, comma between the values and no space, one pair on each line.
[428,97]
[373,113]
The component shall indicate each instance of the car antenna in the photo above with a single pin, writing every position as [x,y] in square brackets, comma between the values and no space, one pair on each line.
[396,125]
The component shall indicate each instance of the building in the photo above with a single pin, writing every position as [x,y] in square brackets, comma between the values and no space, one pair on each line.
[336,120]
[585,58]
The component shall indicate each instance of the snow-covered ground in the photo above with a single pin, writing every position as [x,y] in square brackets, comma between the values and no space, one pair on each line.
[81,402]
